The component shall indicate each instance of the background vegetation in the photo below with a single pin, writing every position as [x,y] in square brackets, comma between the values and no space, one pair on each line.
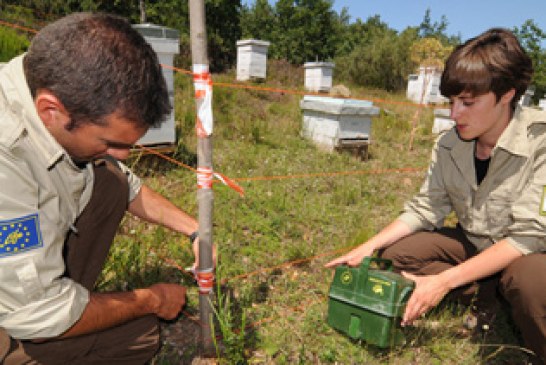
[367,52]
[281,309]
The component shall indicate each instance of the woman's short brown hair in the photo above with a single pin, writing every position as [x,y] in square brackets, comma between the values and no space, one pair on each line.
[493,61]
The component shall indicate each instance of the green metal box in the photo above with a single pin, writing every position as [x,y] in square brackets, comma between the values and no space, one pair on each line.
[367,302]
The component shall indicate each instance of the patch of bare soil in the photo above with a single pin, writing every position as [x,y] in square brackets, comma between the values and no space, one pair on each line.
[181,341]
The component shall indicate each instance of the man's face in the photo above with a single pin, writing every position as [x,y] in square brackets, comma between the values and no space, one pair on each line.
[90,141]
[481,115]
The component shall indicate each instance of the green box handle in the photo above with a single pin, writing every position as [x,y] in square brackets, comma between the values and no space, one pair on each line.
[379,263]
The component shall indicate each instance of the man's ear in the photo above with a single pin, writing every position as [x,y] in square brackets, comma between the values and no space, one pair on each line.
[50,109]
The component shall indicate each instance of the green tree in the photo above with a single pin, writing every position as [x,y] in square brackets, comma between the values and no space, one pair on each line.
[531,37]
[360,33]
[223,31]
[429,52]
[223,28]
[257,20]
[299,30]
[430,29]
[381,59]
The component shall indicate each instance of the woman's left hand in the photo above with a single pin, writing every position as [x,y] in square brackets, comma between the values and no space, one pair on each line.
[429,291]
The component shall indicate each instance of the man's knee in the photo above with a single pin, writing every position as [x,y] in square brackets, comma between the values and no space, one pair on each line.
[150,338]
[5,343]
[136,342]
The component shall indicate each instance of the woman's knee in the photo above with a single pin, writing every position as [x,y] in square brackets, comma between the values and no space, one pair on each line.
[522,283]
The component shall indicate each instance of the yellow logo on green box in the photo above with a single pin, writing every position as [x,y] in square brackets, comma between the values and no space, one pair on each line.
[346,277]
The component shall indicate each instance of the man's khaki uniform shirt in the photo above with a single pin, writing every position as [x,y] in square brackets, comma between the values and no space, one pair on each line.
[508,204]
[42,192]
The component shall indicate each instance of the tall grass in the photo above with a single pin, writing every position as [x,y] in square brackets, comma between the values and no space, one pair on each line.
[11,44]
[257,134]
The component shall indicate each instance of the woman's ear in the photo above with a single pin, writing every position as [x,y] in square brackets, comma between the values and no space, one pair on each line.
[508,96]
[50,109]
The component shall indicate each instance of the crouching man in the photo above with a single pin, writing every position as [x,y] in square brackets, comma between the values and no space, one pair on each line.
[70,109]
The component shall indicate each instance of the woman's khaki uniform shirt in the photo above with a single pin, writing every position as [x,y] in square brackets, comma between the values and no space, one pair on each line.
[508,204]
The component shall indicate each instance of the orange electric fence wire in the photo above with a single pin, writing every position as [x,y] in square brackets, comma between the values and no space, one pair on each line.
[298,92]
[294,92]
[298,176]
[335,173]
[188,272]
[165,157]
[11,25]
[259,322]
[286,264]
[260,88]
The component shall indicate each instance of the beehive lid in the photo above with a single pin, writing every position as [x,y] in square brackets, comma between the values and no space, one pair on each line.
[318,65]
[252,42]
[156,31]
[338,105]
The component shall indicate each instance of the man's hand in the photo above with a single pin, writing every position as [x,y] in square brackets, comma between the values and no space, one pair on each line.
[105,310]
[195,246]
[167,299]
[429,291]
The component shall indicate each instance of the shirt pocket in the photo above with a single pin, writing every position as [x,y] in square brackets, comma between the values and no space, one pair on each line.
[498,209]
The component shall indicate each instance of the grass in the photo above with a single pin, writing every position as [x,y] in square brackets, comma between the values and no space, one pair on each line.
[257,134]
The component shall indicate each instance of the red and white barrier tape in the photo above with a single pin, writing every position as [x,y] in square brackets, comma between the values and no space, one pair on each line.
[204,180]
[202,84]
[205,280]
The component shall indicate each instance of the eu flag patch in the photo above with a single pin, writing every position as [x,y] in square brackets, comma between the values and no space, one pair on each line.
[20,235]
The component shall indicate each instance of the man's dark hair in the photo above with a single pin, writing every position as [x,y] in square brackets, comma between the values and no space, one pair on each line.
[97,64]
[493,61]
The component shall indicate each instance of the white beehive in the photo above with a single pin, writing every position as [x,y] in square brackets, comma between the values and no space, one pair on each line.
[542,104]
[527,97]
[334,123]
[251,59]
[442,121]
[165,43]
[318,76]
[424,87]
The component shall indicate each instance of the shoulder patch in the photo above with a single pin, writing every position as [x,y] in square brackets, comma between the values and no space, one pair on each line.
[20,235]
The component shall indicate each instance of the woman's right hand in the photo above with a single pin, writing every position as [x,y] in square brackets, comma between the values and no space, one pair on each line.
[354,257]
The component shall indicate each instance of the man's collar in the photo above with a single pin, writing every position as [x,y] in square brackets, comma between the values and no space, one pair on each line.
[17,92]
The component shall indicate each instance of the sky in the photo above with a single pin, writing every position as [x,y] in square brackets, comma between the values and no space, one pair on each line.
[466,18]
